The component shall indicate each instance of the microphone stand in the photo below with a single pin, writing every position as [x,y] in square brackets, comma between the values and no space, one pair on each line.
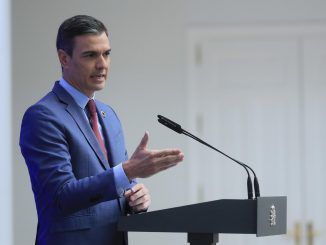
[177,128]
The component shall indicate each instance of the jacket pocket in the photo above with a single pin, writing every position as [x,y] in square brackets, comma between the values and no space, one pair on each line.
[72,223]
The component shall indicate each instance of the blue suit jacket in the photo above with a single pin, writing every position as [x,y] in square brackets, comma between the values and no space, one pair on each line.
[73,184]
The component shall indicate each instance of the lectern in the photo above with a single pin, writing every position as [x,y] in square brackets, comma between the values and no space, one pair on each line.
[204,222]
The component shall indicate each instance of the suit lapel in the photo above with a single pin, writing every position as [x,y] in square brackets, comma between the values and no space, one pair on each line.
[77,114]
[107,128]
[109,133]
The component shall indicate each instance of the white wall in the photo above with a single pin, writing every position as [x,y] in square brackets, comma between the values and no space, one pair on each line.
[148,75]
[5,126]
[254,11]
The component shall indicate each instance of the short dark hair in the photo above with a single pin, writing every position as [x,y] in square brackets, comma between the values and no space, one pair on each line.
[76,26]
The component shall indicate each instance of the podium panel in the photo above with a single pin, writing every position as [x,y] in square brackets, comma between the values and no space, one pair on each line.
[264,217]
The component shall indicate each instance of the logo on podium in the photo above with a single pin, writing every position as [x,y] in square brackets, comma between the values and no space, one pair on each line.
[272,215]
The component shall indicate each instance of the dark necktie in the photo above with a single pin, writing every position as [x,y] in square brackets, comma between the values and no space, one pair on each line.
[94,122]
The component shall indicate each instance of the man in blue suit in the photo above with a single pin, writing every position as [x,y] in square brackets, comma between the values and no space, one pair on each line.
[75,152]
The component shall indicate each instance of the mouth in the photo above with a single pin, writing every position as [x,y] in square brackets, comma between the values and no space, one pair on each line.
[98,76]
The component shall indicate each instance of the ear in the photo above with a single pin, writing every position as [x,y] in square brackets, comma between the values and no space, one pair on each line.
[64,58]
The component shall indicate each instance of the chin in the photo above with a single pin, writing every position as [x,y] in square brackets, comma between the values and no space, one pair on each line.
[98,87]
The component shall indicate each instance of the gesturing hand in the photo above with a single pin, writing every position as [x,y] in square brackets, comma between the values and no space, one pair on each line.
[145,162]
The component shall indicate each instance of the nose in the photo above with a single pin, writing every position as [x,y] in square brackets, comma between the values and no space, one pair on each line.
[102,62]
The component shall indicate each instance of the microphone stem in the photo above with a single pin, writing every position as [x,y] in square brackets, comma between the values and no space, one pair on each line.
[245,166]
[177,128]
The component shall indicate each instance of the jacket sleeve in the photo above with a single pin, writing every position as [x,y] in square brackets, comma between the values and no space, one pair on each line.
[46,151]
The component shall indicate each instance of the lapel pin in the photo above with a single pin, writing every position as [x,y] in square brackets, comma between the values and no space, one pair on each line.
[103,114]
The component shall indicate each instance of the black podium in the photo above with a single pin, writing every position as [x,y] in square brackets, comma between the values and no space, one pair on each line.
[205,221]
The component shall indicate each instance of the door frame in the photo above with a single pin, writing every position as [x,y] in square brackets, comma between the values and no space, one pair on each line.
[195,36]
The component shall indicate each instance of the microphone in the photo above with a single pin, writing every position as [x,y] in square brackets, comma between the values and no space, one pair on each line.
[170,124]
[177,128]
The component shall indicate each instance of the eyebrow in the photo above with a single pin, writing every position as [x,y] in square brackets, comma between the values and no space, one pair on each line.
[95,52]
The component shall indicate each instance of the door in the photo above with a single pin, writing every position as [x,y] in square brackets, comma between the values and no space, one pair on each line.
[315,139]
[249,96]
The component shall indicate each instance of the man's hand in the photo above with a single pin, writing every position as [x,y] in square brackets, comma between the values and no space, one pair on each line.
[138,198]
[145,162]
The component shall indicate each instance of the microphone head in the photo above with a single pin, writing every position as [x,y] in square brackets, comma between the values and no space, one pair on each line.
[170,124]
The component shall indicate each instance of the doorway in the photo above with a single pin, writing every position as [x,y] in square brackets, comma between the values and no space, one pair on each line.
[259,94]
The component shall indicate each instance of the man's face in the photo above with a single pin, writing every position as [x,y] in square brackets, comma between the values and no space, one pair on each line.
[88,67]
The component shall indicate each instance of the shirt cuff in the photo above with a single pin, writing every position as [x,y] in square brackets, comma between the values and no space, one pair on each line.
[122,182]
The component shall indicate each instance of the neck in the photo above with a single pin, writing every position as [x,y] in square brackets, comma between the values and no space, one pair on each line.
[75,85]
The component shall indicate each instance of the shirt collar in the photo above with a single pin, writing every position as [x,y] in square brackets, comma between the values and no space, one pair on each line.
[80,98]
